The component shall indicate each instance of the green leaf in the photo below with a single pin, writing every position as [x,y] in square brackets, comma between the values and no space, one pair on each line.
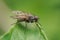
[24,31]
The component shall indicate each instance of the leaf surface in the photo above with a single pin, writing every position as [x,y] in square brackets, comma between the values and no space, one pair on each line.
[23,32]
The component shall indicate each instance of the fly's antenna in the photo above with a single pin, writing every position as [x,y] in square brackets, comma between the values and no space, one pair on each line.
[41,31]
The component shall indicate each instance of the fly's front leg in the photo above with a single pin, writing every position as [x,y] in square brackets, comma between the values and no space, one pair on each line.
[42,31]
[39,25]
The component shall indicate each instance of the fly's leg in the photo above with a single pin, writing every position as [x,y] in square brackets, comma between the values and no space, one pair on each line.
[41,31]
[25,30]
[38,25]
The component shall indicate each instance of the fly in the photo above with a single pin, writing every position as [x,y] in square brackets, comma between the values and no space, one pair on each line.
[28,18]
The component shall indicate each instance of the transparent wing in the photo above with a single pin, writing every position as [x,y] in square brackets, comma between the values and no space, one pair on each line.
[18,12]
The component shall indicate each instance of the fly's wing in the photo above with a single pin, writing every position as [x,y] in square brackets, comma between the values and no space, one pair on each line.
[29,14]
[17,14]
[41,30]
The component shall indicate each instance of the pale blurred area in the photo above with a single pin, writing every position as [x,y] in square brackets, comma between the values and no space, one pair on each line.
[5,20]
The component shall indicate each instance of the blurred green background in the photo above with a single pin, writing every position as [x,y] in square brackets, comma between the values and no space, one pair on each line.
[47,10]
